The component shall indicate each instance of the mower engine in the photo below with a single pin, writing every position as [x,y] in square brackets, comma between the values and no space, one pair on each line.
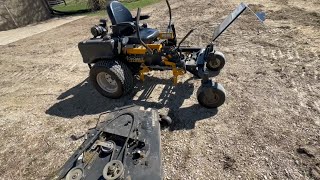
[100,30]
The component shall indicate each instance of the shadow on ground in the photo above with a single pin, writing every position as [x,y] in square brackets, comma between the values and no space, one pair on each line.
[83,99]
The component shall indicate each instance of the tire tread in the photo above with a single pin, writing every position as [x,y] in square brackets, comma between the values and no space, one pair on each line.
[121,70]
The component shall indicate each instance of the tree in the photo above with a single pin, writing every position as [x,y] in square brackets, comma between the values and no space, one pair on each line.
[97,4]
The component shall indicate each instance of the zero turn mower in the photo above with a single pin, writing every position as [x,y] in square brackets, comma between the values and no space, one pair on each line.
[133,49]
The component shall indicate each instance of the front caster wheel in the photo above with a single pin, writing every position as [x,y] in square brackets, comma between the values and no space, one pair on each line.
[111,78]
[216,61]
[211,95]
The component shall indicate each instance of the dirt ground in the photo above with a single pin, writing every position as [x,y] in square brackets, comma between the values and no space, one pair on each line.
[13,35]
[269,127]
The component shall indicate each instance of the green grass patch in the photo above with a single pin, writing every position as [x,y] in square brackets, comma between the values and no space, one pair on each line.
[130,5]
[139,3]
[74,5]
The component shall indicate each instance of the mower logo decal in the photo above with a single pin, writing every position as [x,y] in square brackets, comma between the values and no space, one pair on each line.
[135,59]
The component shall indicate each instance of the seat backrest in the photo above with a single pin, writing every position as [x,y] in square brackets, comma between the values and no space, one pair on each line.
[118,13]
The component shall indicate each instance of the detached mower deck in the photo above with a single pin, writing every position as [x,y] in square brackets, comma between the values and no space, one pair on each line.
[126,145]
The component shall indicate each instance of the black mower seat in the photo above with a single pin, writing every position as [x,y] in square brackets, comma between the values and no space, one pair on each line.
[118,13]
[147,35]
[122,22]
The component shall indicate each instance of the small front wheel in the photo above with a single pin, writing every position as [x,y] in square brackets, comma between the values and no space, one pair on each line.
[211,95]
[165,121]
[216,61]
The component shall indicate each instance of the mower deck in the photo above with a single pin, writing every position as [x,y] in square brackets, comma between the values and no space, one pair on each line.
[126,145]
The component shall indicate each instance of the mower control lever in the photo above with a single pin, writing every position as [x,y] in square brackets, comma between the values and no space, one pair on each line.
[185,37]
[138,32]
[143,17]
[170,14]
[124,24]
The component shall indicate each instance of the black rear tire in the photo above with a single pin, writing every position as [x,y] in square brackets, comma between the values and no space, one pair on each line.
[112,78]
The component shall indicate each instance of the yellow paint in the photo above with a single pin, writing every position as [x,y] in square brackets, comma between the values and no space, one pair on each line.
[141,50]
[175,71]
[144,69]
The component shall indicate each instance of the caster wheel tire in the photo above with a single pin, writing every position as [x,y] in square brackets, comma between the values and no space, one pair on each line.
[112,78]
[75,174]
[211,96]
[165,120]
[216,61]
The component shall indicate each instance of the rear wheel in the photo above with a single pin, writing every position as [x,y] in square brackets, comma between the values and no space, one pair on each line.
[111,78]
[211,96]
[216,61]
